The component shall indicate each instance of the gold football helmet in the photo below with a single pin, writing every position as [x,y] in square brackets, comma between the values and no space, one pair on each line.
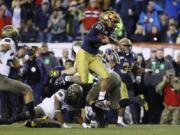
[110,18]
[125,44]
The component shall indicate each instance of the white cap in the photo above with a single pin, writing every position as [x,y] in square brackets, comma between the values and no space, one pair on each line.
[8,41]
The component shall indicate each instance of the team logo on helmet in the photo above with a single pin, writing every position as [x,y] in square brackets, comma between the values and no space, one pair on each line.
[110,18]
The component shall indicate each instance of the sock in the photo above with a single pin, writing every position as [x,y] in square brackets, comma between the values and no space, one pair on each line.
[30,107]
[102,95]
[120,119]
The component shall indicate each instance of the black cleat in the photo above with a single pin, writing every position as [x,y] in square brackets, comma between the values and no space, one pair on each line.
[30,123]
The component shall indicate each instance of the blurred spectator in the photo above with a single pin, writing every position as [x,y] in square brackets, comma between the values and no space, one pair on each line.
[152,55]
[65,56]
[73,16]
[139,34]
[129,11]
[176,65]
[60,4]
[37,3]
[142,4]
[28,32]
[41,21]
[35,74]
[139,76]
[48,58]
[172,8]
[4,20]
[169,59]
[150,18]
[169,88]
[16,14]
[21,51]
[156,69]
[22,10]
[56,25]
[7,11]
[56,4]
[154,35]
[91,15]
[164,22]
[7,3]
[105,5]
[171,33]
[27,10]
[140,60]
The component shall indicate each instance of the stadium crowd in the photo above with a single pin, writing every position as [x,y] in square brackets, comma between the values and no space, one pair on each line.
[69,20]
[137,90]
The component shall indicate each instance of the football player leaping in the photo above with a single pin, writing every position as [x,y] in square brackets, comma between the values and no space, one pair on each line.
[86,58]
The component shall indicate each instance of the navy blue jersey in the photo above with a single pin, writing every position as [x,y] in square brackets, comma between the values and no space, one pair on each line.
[91,41]
[125,63]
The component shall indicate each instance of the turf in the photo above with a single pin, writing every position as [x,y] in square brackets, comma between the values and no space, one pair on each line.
[19,129]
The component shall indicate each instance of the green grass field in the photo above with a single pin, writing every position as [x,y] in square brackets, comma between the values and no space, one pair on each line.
[19,129]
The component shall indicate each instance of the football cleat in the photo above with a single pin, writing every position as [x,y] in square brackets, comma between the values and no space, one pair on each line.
[66,126]
[30,123]
[121,124]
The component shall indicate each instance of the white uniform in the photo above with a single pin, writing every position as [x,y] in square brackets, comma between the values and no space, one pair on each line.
[47,104]
[6,57]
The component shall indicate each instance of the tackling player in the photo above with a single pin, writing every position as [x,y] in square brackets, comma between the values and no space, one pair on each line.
[116,100]
[8,45]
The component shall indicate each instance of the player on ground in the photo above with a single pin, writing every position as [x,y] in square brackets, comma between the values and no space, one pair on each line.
[61,103]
